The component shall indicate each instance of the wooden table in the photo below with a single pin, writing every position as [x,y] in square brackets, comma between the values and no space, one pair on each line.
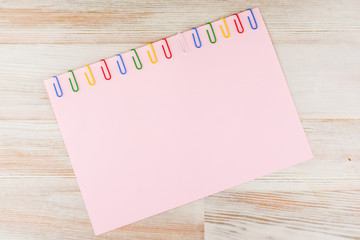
[318,44]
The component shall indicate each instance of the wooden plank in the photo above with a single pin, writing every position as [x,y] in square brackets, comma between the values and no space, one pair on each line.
[52,208]
[283,215]
[146,21]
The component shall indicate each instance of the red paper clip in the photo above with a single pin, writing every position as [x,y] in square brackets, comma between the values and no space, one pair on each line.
[240,24]
[106,69]
[168,57]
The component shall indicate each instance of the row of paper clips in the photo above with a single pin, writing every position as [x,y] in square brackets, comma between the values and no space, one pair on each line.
[167,55]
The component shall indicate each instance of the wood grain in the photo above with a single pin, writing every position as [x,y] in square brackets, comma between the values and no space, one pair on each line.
[283,215]
[147,21]
[318,44]
[52,208]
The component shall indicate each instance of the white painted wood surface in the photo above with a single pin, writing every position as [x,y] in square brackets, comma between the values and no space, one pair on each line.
[318,44]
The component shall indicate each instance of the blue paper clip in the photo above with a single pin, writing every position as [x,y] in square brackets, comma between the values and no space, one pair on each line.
[198,38]
[57,94]
[122,64]
[254,20]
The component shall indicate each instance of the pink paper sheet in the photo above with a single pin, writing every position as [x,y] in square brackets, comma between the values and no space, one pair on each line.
[181,129]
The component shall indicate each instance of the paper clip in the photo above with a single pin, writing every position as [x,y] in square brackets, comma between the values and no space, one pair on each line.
[138,68]
[184,43]
[168,57]
[226,29]
[254,20]
[207,31]
[77,86]
[198,38]
[122,64]
[91,84]
[242,28]
[57,94]
[152,48]
[106,69]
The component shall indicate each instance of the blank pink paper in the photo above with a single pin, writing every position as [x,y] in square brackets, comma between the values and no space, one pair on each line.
[181,129]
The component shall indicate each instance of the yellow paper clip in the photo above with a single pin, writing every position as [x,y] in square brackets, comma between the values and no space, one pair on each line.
[152,48]
[91,84]
[226,29]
